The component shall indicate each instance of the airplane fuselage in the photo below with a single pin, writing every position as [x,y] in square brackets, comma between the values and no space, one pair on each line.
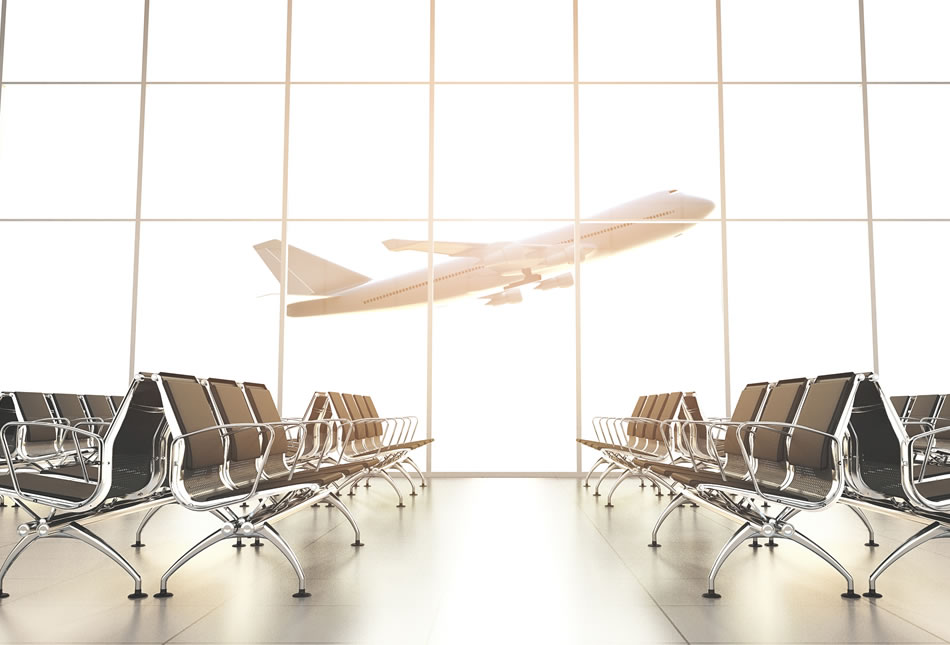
[511,264]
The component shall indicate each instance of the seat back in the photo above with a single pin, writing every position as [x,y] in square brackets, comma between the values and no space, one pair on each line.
[316,433]
[231,407]
[68,406]
[924,406]
[749,404]
[823,409]
[8,414]
[900,404]
[637,411]
[690,411]
[360,430]
[189,409]
[876,431]
[33,406]
[98,406]
[138,440]
[115,400]
[641,428]
[669,410]
[781,406]
[262,405]
[368,411]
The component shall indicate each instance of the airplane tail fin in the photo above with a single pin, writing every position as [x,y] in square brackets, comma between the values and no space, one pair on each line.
[307,274]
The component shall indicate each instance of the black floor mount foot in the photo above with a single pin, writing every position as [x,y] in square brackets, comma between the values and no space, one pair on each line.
[413,494]
[654,544]
[608,505]
[771,543]
[400,505]
[711,594]
[755,544]
[850,594]
[303,593]
[596,494]
[164,593]
[238,544]
[257,543]
[871,543]
[358,543]
[4,594]
[138,594]
[366,485]
[586,485]
[872,594]
[137,545]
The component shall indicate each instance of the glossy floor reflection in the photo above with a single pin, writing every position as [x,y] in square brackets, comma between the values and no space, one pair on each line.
[479,561]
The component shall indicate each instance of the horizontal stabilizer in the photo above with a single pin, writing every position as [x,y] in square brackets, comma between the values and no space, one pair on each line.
[307,274]
[443,248]
[506,297]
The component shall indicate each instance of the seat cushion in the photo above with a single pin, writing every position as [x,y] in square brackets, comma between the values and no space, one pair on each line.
[46,485]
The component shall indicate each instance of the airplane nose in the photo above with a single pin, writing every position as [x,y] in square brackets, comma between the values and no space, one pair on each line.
[697,207]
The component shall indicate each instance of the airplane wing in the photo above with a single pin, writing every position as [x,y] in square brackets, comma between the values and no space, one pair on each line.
[456,249]
[308,275]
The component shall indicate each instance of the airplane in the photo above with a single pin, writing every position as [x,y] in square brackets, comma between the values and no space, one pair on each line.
[477,267]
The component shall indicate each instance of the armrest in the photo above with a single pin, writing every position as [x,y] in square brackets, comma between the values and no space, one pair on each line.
[59,427]
[224,430]
[785,429]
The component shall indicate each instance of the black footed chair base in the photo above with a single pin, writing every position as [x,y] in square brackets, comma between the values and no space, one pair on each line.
[4,594]
[137,545]
[654,545]
[303,593]
[164,593]
[358,543]
[138,594]
[871,543]
[850,594]
[608,505]
[711,594]
[257,543]
[400,506]
[869,594]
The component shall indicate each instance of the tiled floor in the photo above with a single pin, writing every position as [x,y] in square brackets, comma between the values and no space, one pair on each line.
[479,561]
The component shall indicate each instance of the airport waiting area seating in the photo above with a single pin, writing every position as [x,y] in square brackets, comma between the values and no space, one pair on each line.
[793,446]
[214,446]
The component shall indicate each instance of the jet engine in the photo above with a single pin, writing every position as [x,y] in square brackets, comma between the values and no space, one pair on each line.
[506,297]
[560,281]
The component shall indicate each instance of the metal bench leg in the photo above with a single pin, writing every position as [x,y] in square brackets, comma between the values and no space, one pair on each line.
[138,532]
[925,534]
[268,533]
[81,533]
[405,474]
[385,475]
[817,549]
[340,506]
[867,523]
[676,502]
[603,475]
[600,460]
[617,483]
[412,464]
[211,540]
[18,548]
[741,535]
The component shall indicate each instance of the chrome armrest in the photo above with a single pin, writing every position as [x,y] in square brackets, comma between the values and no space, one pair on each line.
[752,427]
[224,431]
[59,427]
[910,452]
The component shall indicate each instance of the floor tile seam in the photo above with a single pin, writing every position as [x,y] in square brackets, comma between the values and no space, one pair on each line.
[194,622]
[909,621]
[637,578]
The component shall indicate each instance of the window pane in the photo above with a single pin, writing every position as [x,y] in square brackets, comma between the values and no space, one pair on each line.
[213,152]
[504,40]
[809,40]
[637,140]
[794,152]
[380,353]
[208,305]
[69,290]
[910,262]
[359,151]
[64,40]
[655,40]
[907,41]
[68,151]
[504,151]
[361,40]
[217,40]
[799,300]
[639,332]
[503,376]
[910,136]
